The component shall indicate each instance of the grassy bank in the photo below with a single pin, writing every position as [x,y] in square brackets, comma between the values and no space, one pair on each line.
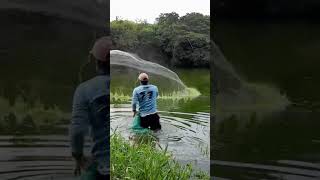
[143,160]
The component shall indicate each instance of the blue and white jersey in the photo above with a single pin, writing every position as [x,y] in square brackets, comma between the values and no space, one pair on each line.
[145,96]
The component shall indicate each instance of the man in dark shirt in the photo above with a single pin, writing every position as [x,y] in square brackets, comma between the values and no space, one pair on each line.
[91,111]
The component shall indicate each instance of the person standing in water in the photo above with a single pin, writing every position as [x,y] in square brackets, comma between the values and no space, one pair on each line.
[145,96]
[90,111]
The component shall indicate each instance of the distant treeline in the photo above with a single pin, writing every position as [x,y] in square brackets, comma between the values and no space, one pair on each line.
[183,41]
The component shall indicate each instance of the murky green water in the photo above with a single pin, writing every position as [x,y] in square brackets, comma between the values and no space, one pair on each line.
[258,144]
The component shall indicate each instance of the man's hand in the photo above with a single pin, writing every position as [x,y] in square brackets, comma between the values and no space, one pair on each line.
[81,164]
[134,113]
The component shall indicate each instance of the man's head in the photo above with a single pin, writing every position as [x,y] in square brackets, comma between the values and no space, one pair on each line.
[100,52]
[143,78]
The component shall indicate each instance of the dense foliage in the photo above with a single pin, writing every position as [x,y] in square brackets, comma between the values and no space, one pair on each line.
[184,41]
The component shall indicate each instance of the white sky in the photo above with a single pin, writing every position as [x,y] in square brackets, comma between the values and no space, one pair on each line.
[150,9]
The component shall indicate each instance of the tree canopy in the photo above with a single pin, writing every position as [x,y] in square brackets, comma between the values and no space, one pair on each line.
[184,41]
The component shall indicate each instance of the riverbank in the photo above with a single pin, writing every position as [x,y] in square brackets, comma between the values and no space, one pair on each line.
[144,160]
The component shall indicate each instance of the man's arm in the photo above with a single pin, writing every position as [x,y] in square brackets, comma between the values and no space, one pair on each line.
[79,124]
[134,102]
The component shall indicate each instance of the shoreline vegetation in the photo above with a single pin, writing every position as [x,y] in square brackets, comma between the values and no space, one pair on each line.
[173,40]
[23,118]
[143,160]
[185,95]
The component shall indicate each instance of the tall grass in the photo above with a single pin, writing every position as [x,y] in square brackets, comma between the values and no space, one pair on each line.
[142,160]
[21,118]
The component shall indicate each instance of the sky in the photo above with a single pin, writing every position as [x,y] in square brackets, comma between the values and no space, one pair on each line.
[150,9]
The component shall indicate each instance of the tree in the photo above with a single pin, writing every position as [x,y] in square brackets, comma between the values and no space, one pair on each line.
[196,22]
[166,19]
[185,40]
[192,50]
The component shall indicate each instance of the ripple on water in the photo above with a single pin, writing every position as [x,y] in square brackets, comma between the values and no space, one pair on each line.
[186,134]
[37,157]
